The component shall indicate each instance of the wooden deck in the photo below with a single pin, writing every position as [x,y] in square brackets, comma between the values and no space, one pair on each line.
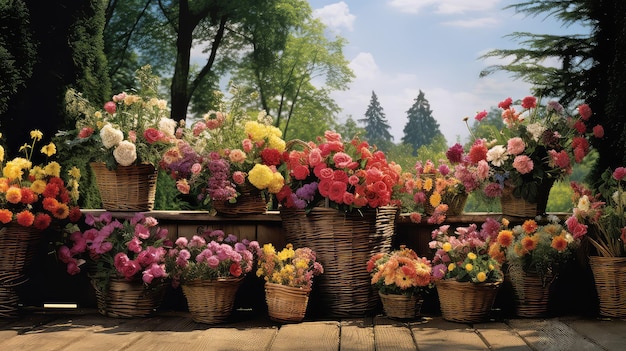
[87,330]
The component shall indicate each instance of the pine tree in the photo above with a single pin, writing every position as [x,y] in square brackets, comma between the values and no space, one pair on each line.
[376,125]
[422,127]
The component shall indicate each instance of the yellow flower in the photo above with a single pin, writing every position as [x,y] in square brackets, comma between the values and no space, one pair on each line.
[435,199]
[446,247]
[256,130]
[471,256]
[275,142]
[286,254]
[53,169]
[260,176]
[481,276]
[49,149]
[277,183]
[36,134]
[38,186]
[1,153]
[469,267]
[12,171]
[451,267]
[428,184]
[74,172]
[268,249]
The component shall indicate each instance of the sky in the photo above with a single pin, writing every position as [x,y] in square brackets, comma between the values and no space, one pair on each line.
[398,47]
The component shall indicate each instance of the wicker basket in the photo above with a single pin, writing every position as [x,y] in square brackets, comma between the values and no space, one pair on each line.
[130,188]
[340,241]
[249,202]
[211,301]
[128,299]
[286,303]
[531,291]
[466,302]
[297,227]
[9,298]
[401,306]
[519,207]
[609,274]
[456,204]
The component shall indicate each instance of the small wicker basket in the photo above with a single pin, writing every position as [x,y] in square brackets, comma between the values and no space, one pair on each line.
[466,302]
[130,188]
[249,202]
[401,306]
[531,291]
[129,299]
[211,301]
[520,207]
[286,303]
[609,274]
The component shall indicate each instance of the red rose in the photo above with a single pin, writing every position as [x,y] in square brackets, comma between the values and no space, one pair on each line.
[529,102]
[336,191]
[505,104]
[153,135]
[85,132]
[301,172]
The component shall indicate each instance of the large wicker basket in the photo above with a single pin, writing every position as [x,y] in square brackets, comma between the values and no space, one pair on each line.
[531,291]
[341,241]
[401,306]
[128,299]
[519,207]
[466,302]
[609,274]
[130,188]
[286,303]
[211,301]
[249,202]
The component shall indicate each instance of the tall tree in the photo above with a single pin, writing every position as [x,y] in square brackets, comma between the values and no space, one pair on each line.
[592,68]
[422,128]
[376,125]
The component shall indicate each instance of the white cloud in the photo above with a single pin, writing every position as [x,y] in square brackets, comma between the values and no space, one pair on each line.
[445,7]
[474,23]
[336,16]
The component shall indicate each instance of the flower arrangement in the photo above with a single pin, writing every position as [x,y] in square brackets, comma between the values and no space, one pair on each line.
[36,195]
[538,145]
[132,249]
[346,176]
[464,254]
[400,272]
[600,217]
[210,255]
[289,266]
[222,154]
[539,249]
[132,128]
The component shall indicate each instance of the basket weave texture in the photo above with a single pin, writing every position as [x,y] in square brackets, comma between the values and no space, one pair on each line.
[130,188]
[340,241]
[249,202]
[466,302]
[519,207]
[286,303]
[609,274]
[211,301]
[17,250]
[128,299]
[401,306]
[531,291]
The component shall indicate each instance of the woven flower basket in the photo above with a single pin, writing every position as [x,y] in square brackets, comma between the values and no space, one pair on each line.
[519,207]
[211,301]
[128,299]
[609,274]
[286,304]
[401,306]
[297,228]
[456,204]
[130,188]
[342,241]
[249,202]
[531,291]
[466,302]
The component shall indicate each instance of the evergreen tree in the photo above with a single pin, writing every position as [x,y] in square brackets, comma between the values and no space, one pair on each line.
[422,128]
[376,125]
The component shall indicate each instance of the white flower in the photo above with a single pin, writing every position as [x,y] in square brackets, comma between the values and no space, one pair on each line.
[583,203]
[167,126]
[535,129]
[497,155]
[110,136]
[125,153]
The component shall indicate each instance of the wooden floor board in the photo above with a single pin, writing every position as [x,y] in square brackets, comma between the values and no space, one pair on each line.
[551,335]
[307,336]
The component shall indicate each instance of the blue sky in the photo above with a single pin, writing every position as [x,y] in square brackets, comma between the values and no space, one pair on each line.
[398,47]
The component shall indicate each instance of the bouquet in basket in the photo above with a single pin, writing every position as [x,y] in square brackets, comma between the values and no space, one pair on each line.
[400,272]
[288,267]
[132,249]
[539,249]
[208,256]
[345,175]
[464,255]
[133,128]
[36,195]
[538,145]
[224,154]
[600,217]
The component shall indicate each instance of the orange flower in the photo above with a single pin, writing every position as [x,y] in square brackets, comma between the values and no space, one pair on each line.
[14,195]
[5,216]
[403,277]
[529,243]
[4,185]
[559,243]
[25,218]
[505,238]
[529,226]
[496,253]
[61,211]
[42,221]
[50,204]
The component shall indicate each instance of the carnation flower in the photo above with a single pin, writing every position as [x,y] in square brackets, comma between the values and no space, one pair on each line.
[125,153]
[111,136]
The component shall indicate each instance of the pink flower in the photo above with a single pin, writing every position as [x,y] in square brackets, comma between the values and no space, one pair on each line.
[515,146]
[247,145]
[415,217]
[110,107]
[493,190]
[198,128]
[332,136]
[584,111]
[342,160]
[301,172]
[239,177]
[132,136]
[455,153]
[85,132]
[619,173]
[153,135]
[598,131]
[529,102]
[183,186]
[134,245]
[480,115]
[505,104]
[315,157]
[576,228]
[181,242]
[523,164]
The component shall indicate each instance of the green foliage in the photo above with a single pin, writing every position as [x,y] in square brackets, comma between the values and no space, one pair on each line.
[376,125]
[434,151]
[350,129]
[421,128]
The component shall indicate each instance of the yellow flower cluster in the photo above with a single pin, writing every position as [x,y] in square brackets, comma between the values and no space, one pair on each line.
[259,132]
[288,267]
[262,177]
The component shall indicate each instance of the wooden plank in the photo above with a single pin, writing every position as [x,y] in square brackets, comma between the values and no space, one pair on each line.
[357,335]
[551,335]
[437,334]
[270,233]
[499,336]
[390,335]
[610,334]
[307,336]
